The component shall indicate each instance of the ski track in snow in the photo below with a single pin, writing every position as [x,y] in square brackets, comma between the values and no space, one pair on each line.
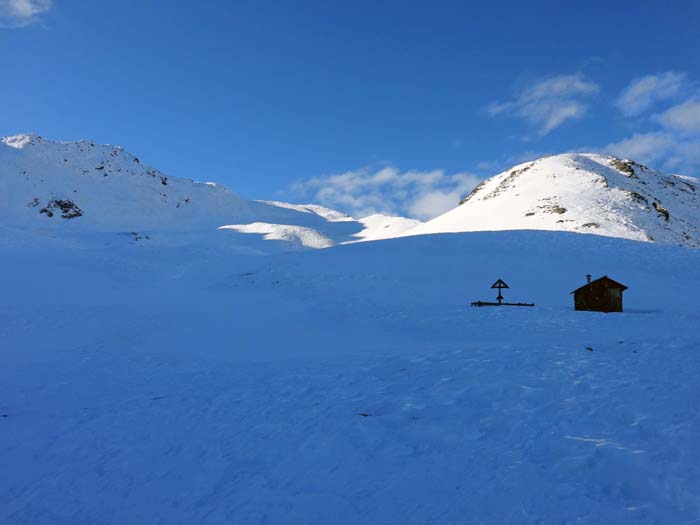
[351,385]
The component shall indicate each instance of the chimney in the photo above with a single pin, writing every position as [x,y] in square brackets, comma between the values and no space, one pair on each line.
[588,278]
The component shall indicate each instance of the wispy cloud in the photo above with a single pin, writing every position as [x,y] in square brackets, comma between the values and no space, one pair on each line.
[684,117]
[674,140]
[21,13]
[663,149]
[642,93]
[549,103]
[685,158]
[643,147]
[419,194]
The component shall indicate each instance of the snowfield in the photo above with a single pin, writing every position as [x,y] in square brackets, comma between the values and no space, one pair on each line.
[156,382]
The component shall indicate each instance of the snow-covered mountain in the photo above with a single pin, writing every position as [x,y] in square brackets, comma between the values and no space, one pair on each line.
[583,193]
[86,187]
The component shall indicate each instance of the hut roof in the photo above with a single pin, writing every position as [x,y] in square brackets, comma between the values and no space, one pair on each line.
[608,281]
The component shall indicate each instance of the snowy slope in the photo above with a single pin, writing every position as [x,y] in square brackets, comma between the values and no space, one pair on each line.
[336,227]
[583,193]
[174,384]
[300,236]
[379,226]
[68,187]
[85,186]
[321,211]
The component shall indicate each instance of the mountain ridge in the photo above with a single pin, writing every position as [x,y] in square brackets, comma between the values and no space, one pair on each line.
[582,193]
[86,187]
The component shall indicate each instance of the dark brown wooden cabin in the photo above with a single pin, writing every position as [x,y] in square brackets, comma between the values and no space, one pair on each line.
[601,295]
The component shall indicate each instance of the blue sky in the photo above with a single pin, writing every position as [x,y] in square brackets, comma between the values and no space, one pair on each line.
[367,106]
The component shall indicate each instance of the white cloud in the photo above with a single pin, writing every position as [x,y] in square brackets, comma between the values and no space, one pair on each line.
[684,117]
[419,194]
[660,149]
[674,144]
[643,92]
[685,158]
[643,147]
[549,103]
[20,13]
[435,203]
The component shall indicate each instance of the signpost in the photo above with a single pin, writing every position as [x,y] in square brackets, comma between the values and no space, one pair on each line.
[500,285]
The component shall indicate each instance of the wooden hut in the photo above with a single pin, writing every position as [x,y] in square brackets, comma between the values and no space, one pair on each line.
[601,295]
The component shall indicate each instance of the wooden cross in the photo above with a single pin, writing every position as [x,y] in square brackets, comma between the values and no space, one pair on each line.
[500,284]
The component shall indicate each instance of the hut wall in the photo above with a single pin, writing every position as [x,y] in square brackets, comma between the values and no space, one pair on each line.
[598,298]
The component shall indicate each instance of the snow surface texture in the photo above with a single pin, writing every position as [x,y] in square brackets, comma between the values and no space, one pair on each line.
[60,187]
[582,193]
[179,384]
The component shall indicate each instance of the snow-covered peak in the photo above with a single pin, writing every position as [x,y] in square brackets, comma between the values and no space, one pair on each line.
[584,193]
[19,141]
[86,186]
